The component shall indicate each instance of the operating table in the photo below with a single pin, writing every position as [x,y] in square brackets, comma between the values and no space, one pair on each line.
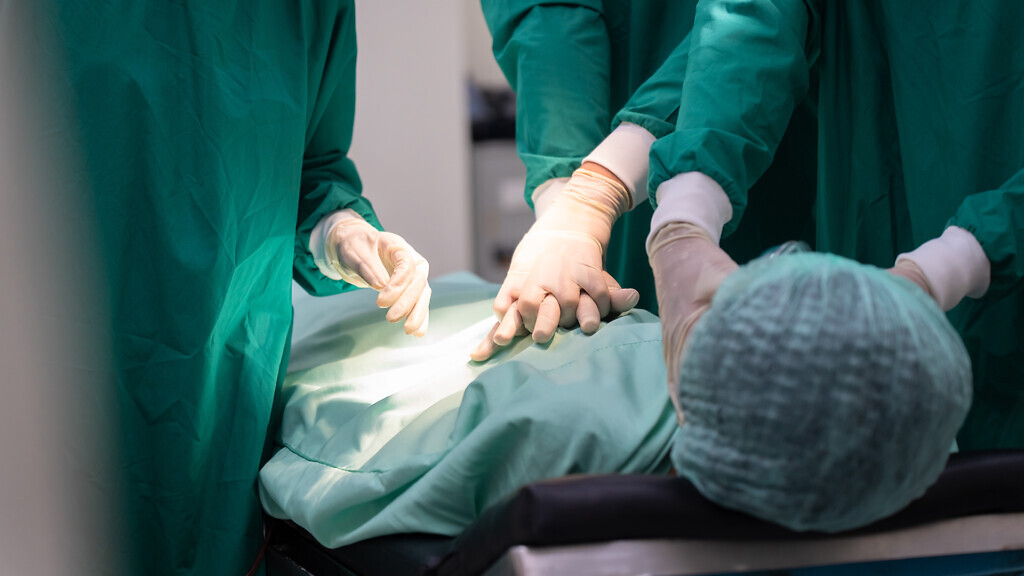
[970,522]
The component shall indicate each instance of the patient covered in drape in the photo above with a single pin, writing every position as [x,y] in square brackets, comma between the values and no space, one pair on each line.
[383,434]
[816,393]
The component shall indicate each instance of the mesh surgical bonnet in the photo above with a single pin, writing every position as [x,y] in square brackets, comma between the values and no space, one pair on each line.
[819,393]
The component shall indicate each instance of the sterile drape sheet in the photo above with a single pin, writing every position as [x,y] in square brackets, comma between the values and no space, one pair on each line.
[383,433]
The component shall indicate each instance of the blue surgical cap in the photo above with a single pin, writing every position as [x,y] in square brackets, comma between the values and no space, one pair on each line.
[819,393]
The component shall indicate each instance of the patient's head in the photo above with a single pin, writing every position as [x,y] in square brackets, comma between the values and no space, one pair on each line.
[819,393]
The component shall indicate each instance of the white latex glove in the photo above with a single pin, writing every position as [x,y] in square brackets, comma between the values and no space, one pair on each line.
[688,269]
[909,269]
[557,275]
[949,268]
[366,257]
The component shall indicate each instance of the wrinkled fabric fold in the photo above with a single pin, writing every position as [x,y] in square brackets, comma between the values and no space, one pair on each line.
[385,435]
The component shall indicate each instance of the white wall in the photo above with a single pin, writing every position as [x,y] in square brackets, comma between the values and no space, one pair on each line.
[480,59]
[411,140]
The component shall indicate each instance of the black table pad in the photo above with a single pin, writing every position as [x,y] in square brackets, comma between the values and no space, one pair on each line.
[587,509]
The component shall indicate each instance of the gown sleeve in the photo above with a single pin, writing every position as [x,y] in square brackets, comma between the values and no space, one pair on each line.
[996,219]
[557,57]
[329,179]
[749,66]
[654,106]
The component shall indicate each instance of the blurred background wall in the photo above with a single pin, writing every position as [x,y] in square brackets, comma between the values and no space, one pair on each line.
[433,135]
[56,455]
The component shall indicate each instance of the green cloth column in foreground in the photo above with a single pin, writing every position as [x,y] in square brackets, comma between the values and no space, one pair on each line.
[212,138]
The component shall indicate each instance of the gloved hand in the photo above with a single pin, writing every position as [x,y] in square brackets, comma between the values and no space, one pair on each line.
[907,268]
[557,276]
[688,268]
[369,258]
[511,325]
[949,268]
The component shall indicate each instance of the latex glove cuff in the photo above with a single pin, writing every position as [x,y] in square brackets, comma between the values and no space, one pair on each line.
[625,153]
[694,198]
[954,265]
[318,241]
[589,204]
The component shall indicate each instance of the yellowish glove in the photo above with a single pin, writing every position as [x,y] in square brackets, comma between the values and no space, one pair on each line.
[511,324]
[557,275]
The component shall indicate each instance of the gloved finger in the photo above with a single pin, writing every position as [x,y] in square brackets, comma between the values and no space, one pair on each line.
[407,299]
[624,300]
[594,282]
[568,302]
[510,326]
[372,270]
[588,314]
[418,320]
[620,299]
[487,347]
[406,274]
[547,320]
[528,305]
[507,294]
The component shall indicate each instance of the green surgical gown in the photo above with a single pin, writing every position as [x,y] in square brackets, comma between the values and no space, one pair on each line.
[921,109]
[212,138]
[580,68]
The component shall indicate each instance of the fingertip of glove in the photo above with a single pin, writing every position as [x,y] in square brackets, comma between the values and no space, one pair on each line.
[625,299]
[482,352]
[417,331]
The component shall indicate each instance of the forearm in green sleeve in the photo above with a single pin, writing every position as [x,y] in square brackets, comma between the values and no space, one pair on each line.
[557,58]
[996,219]
[749,65]
[329,180]
[654,106]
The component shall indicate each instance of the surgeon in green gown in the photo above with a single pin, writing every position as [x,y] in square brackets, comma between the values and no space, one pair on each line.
[598,81]
[213,141]
[921,162]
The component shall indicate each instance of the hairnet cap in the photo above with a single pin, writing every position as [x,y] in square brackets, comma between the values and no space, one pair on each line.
[819,393]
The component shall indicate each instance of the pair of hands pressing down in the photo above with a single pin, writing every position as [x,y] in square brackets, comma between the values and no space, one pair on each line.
[557,275]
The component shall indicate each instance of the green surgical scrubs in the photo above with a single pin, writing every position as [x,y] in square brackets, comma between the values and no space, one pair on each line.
[921,108]
[212,138]
[580,68]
